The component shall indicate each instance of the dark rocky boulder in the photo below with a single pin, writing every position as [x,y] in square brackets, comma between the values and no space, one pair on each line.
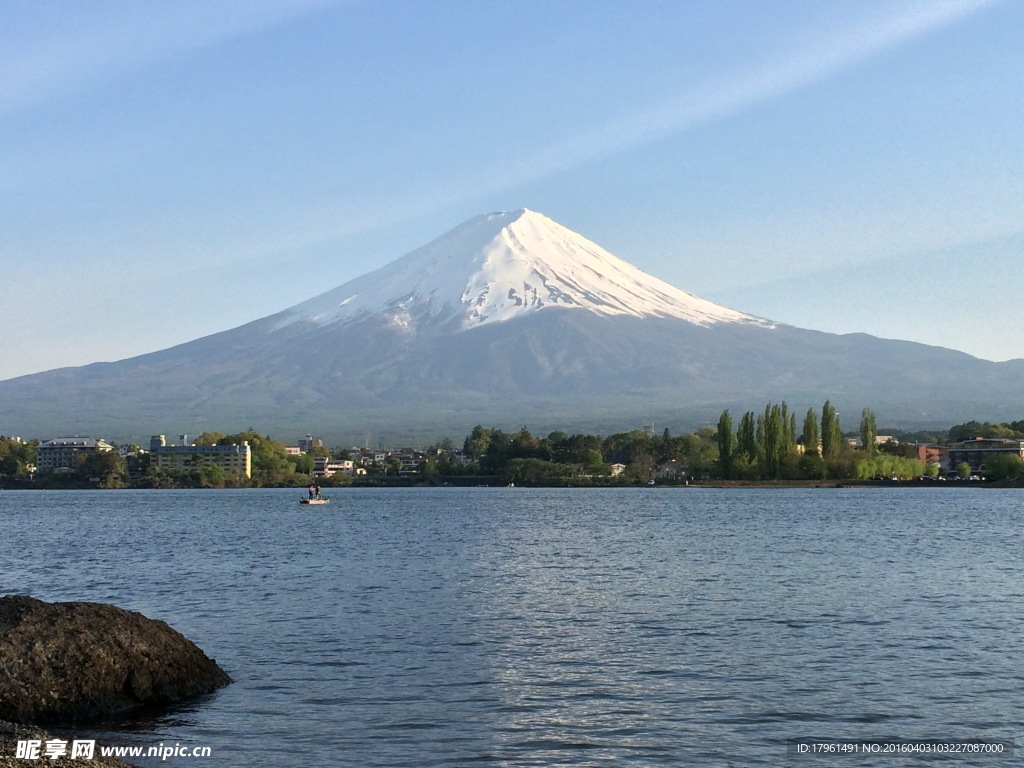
[69,662]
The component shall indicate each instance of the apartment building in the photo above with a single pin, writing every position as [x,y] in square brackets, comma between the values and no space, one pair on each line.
[61,454]
[233,459]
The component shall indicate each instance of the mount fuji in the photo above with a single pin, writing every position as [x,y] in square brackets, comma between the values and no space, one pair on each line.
[503,266]
[508,319]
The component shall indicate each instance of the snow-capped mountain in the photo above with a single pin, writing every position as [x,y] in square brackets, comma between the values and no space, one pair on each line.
[509,319]
[500,266]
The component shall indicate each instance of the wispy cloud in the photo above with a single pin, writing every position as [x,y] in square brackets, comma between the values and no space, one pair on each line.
[105,42]
[724,96]
[50,49]
[716,98]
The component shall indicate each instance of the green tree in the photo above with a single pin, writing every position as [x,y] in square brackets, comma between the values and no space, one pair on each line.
[810,438]
[743,467]
[16,456]
[831,433]
[777,444]
[594,462]
[726,444]
[429,469]
[477,443]
[213,476]
[577,449]
[108,466]
[906,450]
[1002,466]
[773,447]
[886,465]
[701,450]
[811,467]
[963,470]
[972,429]
[636,447]
[868,432]
[664,445]
[9,465]
[269,458]
[533,471]
[158,478]
[746,436]
[303,464]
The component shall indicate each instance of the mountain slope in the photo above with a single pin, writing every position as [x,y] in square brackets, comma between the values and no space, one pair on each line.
[508,319]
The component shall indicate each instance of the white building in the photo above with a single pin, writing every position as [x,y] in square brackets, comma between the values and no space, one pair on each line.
[327,467]
[61,454]
[233,459]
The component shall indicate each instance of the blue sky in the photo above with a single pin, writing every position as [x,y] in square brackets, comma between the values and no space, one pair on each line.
[170,170]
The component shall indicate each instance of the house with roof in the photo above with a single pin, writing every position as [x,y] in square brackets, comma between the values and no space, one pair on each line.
[61,454]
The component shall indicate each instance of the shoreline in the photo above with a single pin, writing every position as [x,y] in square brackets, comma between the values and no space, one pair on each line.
[1017,482]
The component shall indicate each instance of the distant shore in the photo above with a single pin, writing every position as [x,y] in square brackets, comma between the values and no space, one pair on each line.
[494,482]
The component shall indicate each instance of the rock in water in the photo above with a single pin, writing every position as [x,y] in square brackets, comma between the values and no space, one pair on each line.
[67,662]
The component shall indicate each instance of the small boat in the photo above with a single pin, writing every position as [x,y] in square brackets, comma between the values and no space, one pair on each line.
[321,500]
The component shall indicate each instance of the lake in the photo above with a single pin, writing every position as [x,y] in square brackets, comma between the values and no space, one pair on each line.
[544,627]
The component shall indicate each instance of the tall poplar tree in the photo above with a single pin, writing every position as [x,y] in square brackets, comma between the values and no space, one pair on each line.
[868,431]
[774,435]
[811,438]
[746,438]
[726,444]
[831,433]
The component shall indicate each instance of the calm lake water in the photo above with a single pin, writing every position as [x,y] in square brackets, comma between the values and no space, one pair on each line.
[576,627]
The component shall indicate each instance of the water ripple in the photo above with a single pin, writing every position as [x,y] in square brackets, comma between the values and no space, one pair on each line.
[554,627]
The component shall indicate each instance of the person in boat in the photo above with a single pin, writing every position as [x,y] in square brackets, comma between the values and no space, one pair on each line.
[318,491]
[310,491]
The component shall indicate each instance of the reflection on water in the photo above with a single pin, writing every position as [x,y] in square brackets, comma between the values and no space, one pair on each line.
[553,627]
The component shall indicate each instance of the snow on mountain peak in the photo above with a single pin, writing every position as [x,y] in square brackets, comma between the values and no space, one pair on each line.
[498,266]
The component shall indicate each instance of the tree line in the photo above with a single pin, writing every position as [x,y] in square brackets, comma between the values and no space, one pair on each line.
[763,446]
[581,459]
[760,446]
[767,446]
